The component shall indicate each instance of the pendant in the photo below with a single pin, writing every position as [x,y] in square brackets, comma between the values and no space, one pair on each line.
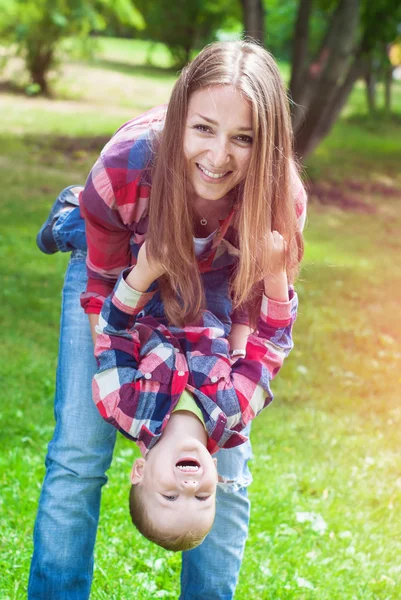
[203,221]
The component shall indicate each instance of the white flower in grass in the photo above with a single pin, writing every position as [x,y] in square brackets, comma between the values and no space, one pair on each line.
[302,369]
[316,521]
[159,564]
[304,583]
[265,569]
[344,535]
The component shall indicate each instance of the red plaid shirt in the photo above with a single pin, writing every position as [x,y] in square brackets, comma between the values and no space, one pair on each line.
[115,204]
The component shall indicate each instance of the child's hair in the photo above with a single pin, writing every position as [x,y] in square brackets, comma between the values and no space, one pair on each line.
[139,516]
[265,199]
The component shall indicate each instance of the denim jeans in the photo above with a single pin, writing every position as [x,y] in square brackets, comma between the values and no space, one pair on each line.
[78,457]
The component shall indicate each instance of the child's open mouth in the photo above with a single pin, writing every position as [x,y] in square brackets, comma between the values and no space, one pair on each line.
[188,465]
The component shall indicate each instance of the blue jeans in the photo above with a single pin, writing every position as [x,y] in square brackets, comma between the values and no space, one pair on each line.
[78,457]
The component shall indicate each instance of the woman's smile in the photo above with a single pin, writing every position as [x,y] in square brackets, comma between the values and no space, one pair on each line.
[210,176]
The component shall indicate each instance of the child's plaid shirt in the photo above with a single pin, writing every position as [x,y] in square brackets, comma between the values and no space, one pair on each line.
[145,366]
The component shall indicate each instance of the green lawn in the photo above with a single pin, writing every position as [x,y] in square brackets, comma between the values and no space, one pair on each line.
[326,495]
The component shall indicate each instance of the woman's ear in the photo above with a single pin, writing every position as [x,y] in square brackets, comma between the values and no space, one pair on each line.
[138,469]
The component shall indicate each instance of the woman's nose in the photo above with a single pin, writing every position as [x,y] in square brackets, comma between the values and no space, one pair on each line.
[219,153]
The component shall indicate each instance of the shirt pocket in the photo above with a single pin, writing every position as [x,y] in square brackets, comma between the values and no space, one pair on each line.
[157,365]
[208,369]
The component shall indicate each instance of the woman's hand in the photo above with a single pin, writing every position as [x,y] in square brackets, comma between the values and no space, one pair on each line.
[144,273]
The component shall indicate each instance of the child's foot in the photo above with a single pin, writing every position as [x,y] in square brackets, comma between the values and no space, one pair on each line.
[67,200]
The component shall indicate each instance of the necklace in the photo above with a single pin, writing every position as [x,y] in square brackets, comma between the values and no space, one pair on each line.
[204,221]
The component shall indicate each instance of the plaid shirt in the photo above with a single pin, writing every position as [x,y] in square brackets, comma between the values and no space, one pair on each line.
[144,366]
[115,203]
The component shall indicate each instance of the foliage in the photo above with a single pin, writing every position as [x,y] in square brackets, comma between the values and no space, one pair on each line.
[184,26]
[37,27]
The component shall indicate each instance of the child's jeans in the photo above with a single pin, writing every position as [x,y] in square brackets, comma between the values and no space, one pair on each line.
[80,454]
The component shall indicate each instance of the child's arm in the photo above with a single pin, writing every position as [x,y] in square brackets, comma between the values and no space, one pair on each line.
[243,390]
[271,343]
[137,361]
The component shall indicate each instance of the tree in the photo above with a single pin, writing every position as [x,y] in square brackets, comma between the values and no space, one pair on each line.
[37,27]
[254,19]
[185,25]
[320,86]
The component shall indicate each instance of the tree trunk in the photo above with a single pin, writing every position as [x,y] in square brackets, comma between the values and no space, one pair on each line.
[370,82]
[326,77]
[332,110]
[300,50]
[253,17]
[388,80]
[39,62]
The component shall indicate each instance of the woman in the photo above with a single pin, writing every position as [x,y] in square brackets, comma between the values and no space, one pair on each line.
[217,168]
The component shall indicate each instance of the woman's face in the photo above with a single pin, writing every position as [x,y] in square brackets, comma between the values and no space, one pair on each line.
[217,140]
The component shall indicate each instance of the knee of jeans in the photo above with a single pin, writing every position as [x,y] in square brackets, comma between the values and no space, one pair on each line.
[233,467]
[79,456]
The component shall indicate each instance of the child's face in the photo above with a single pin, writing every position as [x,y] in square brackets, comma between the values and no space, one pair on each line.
[178,480]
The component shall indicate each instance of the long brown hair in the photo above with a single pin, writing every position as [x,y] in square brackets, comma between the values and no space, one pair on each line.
[266,200]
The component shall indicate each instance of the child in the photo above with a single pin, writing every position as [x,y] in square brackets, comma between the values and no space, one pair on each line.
[182,393]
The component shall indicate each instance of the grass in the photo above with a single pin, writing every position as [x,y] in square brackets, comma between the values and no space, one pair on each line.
[327,484]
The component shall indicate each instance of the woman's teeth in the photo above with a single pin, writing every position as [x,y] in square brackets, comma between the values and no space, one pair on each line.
[213,175]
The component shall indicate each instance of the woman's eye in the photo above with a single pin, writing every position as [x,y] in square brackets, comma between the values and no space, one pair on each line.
[170,498]
[246,139]
[202,498]
[202,128]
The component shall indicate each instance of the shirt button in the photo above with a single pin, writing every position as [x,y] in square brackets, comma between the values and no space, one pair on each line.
[148,376]
[214,379]
[176,350]
[181,373]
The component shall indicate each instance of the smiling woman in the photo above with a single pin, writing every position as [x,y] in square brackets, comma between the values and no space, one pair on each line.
[192,236]
[216,151]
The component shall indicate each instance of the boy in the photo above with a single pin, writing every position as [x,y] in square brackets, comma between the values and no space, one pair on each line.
[184,383]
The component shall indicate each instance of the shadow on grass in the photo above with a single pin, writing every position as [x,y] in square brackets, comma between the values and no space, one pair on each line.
[68,146]
[375,122]
[149,71]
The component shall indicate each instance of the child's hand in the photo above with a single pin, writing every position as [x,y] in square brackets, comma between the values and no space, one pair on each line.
[144,273]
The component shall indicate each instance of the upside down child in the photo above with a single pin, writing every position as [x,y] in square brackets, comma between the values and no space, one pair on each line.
[181,393]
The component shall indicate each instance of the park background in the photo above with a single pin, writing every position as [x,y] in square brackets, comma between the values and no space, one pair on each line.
[327,478]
